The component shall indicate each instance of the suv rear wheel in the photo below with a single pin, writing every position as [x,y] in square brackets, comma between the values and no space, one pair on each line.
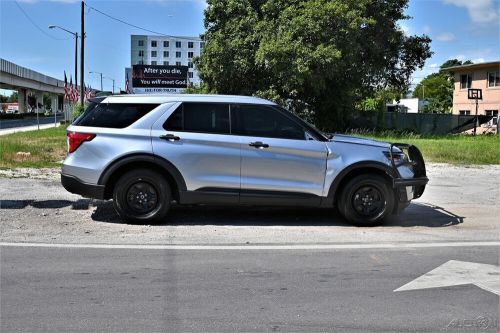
[366,200]
[142,196]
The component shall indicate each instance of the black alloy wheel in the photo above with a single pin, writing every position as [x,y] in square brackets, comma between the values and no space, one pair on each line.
[366,200]
[142,196]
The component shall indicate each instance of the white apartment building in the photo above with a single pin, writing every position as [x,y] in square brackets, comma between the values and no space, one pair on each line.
[168,51]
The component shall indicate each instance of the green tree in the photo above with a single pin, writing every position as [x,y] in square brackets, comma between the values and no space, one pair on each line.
[13,97]
[437,88]
[318,57]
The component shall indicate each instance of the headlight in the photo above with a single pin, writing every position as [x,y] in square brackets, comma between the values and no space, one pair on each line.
[396,157]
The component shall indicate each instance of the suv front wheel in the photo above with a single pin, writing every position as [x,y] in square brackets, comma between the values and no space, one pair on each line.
[366,200]
[142,196]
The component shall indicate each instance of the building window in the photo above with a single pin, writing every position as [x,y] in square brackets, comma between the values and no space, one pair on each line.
[178,44]
[166,63]
[140,42]
[177,63]
[190,75]
[166,54]
[153,43]
[140,62]
[190,64]
[190,45]
[202,45]
[153,54]
[494,114]
[166,43]
[494,79]
[153,62]
[465,81]
[464,112]
[141,53]
[190,55]
[177,54]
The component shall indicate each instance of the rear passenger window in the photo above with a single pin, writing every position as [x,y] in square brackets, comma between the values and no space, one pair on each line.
[200,117]
[114,115]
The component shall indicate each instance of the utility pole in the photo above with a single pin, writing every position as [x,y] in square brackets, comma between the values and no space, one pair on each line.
[100,75]
[110,78]
[82,53]
[75,34]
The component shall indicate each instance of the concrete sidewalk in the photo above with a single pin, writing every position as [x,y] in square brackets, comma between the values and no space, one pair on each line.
[27,128]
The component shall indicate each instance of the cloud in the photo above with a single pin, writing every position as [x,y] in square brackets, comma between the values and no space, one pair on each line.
[404,28]
[434,66]
[446,37]
[480,11]
[478,60]
[426,29]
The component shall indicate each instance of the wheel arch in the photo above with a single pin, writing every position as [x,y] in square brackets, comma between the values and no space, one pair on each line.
[354,170]
[116,169]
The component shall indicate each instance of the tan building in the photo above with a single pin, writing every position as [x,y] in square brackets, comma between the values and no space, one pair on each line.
[484,76]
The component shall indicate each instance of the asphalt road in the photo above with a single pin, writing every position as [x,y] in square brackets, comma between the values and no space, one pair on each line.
[5,124]
[142,290]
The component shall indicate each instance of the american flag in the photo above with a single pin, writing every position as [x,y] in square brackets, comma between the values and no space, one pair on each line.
[66,90]
[71,92]
[76,94]
[127,85]
[88,93]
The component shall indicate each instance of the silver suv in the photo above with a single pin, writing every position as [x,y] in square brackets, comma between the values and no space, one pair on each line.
[148,151]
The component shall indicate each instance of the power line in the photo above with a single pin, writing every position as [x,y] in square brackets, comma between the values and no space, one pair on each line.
[135,26]
[36,26]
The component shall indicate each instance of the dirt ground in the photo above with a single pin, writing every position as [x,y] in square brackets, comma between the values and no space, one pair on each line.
[461,203]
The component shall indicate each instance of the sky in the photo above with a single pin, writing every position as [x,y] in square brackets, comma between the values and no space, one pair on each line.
[462,29]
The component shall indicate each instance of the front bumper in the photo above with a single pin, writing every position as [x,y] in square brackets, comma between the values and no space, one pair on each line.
[76,186]
[410,188]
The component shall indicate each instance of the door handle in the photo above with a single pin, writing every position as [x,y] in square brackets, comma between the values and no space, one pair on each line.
[258,144]
[170,137]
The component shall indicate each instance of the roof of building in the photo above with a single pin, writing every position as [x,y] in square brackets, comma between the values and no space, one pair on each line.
[166,98]
[481,65]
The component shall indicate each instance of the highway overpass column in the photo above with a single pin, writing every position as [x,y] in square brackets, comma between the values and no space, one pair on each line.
[21,99]
[39,101]
[54,103]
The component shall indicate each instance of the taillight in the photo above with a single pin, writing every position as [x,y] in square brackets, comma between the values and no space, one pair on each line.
[75,139]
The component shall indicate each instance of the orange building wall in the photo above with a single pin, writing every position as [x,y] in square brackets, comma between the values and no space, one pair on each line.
[491,95]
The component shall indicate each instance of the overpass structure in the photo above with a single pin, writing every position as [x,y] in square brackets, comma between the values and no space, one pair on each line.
[29,82]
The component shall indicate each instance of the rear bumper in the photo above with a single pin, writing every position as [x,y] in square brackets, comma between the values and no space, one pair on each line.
[76,186]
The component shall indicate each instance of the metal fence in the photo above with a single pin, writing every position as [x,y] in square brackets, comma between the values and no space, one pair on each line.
[423,123]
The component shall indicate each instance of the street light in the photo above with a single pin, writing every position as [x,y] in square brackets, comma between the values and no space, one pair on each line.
[109,78]
[99,74]
[75,34]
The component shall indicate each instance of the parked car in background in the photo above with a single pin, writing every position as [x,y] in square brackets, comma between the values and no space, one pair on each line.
[147,152]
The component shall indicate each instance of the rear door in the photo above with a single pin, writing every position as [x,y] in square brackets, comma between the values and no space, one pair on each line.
[196,139]
[280,160]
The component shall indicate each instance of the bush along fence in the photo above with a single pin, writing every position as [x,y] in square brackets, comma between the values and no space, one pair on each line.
[422,123]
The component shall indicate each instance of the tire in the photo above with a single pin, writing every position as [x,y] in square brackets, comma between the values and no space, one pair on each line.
[142,196]
[366,200]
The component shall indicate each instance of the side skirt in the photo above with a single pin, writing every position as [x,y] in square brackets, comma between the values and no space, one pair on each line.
[219,196]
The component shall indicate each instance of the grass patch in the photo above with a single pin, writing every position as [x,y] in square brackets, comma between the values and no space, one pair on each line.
[454,149]
[47,147]
[33,149]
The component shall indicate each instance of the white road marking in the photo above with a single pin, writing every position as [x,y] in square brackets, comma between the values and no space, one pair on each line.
[256,246]
[455,273]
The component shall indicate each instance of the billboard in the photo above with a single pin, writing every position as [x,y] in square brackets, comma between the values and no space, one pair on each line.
[158,79]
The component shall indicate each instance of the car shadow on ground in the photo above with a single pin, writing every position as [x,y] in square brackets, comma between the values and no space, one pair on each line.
[417,214]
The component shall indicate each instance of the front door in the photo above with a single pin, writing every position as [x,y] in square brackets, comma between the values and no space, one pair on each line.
[280,161]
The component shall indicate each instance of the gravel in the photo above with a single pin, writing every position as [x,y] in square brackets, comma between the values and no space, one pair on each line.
[460,204]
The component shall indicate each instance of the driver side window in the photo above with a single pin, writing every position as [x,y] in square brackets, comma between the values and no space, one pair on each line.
[264,121]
